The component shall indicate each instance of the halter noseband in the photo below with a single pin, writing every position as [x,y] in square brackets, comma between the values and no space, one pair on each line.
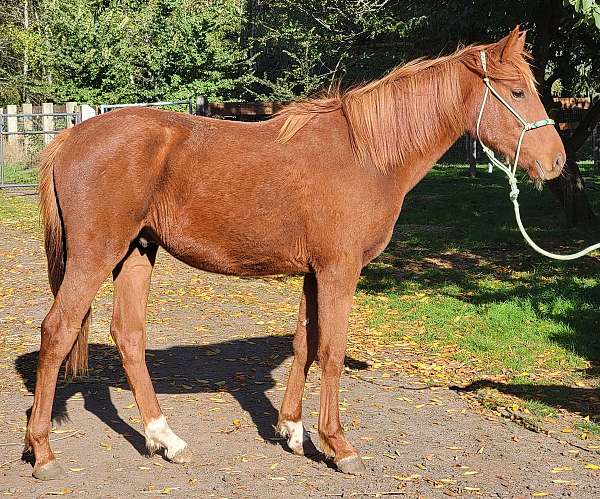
[511,171]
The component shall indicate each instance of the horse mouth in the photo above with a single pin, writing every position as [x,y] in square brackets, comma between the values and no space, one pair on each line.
[539,169]
[538,175]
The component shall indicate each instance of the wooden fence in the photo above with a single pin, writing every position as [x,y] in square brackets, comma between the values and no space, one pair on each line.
[24,130]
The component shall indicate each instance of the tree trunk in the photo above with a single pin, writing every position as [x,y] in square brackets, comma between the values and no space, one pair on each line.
[569,188]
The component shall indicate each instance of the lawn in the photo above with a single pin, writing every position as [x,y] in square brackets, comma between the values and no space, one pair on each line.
[459,282]
[19,173]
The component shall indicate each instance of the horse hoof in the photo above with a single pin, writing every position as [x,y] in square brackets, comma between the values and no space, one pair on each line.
[49,471]
[352,466]
[183,456]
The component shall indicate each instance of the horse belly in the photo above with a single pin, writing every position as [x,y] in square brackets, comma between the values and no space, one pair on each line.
[243,258]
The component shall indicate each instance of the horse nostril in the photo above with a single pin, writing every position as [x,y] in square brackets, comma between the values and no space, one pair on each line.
[559,162]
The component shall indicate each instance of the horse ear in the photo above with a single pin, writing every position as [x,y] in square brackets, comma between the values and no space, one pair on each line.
[511,45]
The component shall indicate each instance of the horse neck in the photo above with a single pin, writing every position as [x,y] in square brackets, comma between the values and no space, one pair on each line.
[426,113]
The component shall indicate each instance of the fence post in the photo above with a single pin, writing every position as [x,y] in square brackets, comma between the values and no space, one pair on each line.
[70,108]
[86,112]
[1,146]
[27,124]
[596,147]
[472,155]
[11,123]
[201,106]
[48,121]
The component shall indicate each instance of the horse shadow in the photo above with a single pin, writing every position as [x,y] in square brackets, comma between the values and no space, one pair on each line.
[241,367]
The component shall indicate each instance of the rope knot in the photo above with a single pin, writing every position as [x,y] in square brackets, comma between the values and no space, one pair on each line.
[514,190]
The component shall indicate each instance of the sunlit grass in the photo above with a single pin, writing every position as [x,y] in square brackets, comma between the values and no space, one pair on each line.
[458,272]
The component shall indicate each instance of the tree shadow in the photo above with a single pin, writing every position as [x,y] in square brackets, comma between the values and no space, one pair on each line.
[584,401]
[241,367]
[458,239]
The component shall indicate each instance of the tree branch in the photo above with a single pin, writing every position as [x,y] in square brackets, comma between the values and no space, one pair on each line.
[585,127]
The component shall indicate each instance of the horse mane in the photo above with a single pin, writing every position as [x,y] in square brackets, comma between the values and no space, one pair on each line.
[415,104]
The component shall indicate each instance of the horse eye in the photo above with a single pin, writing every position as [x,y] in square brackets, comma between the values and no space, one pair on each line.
[518,94]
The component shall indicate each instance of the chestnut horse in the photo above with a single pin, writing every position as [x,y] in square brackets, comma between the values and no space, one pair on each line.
[315,191]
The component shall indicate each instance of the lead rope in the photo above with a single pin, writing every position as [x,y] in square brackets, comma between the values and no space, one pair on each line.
[510,172]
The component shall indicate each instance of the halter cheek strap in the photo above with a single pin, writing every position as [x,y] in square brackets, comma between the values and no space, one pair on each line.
[512,171]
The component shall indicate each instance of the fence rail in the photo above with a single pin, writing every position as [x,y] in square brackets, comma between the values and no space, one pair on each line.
[23,133]
[189,103]
[26,129]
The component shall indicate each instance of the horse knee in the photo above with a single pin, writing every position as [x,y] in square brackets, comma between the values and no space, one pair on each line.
[130,343]
[300,353]
[37,433]
[331,363]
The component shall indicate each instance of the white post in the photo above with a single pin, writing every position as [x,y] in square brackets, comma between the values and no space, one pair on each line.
[27,126]
[87,112]
[70,108]
[48,121]
[2,146]
[11,123]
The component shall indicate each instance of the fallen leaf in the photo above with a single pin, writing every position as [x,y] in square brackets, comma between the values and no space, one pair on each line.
[61,492]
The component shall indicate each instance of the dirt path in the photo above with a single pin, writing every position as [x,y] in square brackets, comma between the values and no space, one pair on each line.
[219,350]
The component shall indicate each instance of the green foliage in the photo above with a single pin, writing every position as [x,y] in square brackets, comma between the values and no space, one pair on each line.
[588,9]
[302,47]
[133,50]
[144,51]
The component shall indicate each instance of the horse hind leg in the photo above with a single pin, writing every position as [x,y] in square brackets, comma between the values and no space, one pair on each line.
[59,331]
[131,288]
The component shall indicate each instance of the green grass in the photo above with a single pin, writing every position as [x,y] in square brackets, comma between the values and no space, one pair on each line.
[19,174]
[458,276]
[589,428]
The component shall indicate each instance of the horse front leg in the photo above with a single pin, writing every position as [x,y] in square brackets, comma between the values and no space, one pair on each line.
[336,286]
[289,423]
[128,328]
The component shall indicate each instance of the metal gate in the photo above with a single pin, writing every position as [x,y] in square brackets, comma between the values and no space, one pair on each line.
[23,135]
[187,105]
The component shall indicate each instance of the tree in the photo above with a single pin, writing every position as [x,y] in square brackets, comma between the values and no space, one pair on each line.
[21,52]
[302,47]
[564,44]
[138,50]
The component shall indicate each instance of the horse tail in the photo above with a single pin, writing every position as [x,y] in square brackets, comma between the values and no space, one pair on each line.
[54,243]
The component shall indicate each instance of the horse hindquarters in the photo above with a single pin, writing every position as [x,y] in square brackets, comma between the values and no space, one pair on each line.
[79,259]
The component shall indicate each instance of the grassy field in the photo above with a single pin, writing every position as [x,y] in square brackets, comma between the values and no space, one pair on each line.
[457,245]
[459,281]
[19,173]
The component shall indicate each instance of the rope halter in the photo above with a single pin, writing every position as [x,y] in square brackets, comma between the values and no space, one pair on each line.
[511,171]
